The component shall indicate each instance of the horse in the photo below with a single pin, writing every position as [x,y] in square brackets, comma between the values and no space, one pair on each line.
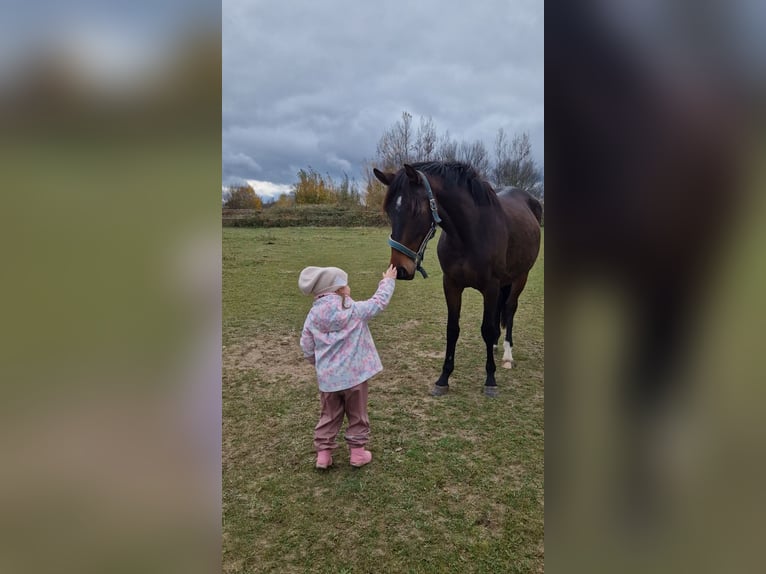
[489,242]
[646,168]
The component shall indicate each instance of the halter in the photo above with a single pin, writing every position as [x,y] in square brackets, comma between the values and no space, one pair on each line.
[417,257]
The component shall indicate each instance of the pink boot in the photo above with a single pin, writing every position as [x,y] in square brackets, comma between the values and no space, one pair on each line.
[324,459]
[360,457]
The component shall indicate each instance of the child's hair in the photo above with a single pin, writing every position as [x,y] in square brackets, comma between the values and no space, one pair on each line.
[343,300]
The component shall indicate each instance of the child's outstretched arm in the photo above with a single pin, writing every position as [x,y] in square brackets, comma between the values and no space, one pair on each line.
[379,301]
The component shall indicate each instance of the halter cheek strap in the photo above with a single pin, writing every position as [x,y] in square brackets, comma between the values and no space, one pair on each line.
[417,257]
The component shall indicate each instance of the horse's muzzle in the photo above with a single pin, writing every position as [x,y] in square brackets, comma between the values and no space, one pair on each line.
[401,273]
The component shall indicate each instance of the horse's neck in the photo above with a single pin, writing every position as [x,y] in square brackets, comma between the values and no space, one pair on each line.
[458,221]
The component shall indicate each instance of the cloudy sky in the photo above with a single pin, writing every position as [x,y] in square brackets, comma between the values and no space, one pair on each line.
[310,83]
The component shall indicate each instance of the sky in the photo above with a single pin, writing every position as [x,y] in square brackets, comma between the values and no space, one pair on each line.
[318,83]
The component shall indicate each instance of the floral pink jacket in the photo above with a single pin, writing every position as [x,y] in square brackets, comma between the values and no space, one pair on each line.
[339,339]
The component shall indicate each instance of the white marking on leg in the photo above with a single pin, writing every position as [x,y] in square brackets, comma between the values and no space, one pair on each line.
[507,355]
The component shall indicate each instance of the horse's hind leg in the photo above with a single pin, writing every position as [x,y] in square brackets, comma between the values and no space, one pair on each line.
[509,313]
[501,300]
[490,331]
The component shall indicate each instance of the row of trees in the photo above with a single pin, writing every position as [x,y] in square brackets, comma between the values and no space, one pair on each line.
[312,188]
[511,164]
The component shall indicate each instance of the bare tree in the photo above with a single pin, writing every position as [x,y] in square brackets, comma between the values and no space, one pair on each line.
[401,144]
[502,152]
[513,162]
[448,148]
[476,155]
[425,140]
[396,146]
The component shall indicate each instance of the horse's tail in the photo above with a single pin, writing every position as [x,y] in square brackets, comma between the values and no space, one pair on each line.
[537,208]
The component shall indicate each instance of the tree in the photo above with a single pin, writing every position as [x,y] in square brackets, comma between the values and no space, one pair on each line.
[448,148]
[476,155]
[538,190]
[285,200]
[242,197]
[396,145]
[425,140]
[402,144]
[347,192]
[374,190]
[513,162]
[312,188]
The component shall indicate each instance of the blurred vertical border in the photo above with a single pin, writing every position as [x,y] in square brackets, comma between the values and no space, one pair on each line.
[110,155]
[654,286]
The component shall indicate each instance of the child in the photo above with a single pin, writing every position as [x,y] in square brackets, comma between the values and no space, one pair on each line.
[338,342]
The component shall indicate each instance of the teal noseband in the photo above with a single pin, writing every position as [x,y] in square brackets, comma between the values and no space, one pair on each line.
[417,256]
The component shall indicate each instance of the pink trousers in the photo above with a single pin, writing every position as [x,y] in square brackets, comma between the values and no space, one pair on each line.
[353,404]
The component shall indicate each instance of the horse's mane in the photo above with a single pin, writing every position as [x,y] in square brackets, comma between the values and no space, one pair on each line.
[457,176]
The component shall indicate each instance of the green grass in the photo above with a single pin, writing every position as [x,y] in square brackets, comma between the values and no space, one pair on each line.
[456,483]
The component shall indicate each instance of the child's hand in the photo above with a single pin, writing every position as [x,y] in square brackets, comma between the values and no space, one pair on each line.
[390,273]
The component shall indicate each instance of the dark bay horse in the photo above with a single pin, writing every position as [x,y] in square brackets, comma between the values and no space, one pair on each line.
[649,133]
[489,242]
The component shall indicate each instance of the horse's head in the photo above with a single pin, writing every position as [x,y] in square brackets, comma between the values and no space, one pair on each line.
[411,208]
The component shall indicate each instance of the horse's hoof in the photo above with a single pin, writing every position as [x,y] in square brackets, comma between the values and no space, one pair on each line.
[490,392]
[507,364]
[439,391]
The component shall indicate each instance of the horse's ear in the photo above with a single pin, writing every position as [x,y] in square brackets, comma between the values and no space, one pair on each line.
[412,174]
[383,177]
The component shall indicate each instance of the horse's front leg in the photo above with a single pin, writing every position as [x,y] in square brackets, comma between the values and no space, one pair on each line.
[490,331]
[454,295]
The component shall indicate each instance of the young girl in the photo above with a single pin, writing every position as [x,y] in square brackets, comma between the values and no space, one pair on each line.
[337,341]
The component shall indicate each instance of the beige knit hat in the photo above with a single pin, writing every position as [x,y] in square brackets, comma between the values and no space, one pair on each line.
[319,280]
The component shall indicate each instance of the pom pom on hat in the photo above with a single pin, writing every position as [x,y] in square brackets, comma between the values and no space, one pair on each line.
[320,280]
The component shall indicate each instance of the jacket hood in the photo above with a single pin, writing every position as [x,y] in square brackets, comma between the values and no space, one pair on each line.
[331,316]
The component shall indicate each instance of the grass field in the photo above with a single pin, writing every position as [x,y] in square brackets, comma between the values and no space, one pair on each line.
[456,482]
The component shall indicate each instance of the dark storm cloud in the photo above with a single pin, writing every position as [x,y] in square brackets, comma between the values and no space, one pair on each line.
[318,83]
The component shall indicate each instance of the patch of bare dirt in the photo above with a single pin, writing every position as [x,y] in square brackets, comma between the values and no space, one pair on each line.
[430,354]
[273,355]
